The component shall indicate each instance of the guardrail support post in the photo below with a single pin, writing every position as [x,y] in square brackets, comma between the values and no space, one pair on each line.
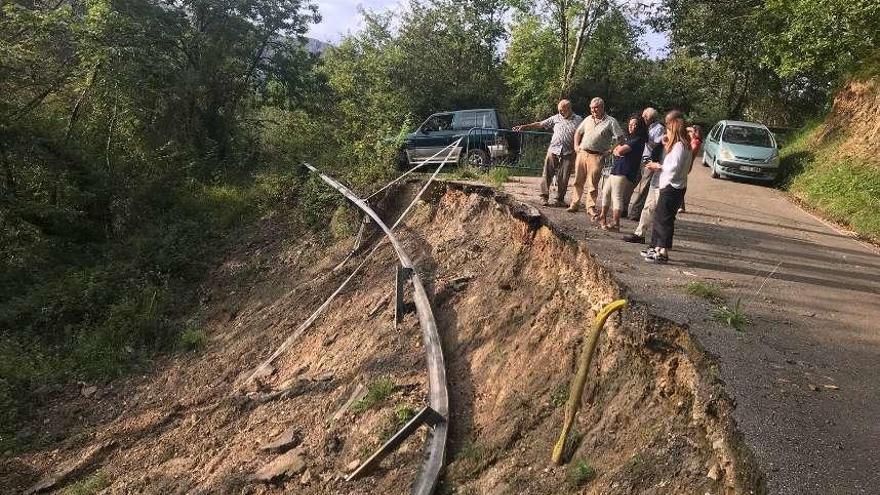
[403,276]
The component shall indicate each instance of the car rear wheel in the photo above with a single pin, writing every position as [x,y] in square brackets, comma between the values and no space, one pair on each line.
[477,159]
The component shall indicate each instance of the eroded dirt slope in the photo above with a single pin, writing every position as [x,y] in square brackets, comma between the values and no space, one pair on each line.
[513,300]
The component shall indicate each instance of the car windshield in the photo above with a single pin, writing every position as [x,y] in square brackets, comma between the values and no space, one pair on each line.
[749,136]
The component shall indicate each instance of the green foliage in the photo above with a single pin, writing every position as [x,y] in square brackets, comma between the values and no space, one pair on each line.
[377,391]
[733,317]
[780,64]
[559,396]
[398,418]
[706,290]
[498,176]
[580,473]
[193,339]
[797,43]
[88,486]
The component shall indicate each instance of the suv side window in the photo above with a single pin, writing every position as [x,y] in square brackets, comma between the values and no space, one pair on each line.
[469,120]
[466,121]
[438,122]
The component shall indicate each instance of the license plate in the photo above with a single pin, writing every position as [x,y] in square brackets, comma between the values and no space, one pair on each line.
[750,169]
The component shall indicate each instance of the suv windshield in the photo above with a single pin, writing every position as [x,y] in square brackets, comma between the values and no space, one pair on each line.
[749,136]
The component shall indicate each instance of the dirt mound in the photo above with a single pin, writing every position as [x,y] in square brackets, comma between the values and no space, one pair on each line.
[853,118]
[513,300]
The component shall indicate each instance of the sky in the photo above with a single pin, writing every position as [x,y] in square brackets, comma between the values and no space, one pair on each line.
[340,17]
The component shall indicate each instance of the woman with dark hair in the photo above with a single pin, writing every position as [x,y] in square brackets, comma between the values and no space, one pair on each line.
[672,182]
[624,172]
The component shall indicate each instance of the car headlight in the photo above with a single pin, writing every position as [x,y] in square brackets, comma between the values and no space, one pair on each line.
[726,154]
[773,158]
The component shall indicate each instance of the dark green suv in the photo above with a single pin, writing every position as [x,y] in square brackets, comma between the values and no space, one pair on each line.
[484,132]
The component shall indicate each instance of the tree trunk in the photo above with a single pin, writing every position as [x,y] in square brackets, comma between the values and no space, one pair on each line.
[592,11]
[75,112]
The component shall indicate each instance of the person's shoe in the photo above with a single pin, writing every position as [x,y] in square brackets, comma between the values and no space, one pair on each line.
[560,204]
[682,210]
[651,251]
[660,259]
[545,202]
[572,209]
[636,239]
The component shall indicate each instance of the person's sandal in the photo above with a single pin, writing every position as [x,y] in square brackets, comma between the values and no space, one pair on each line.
[660,259]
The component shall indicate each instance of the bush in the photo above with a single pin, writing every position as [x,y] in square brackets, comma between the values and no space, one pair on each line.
[193,339]
[580,474]
[379,390]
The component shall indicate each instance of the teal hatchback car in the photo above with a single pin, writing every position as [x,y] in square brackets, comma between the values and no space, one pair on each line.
[744,150]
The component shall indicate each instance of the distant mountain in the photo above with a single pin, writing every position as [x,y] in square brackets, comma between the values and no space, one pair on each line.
[316,47]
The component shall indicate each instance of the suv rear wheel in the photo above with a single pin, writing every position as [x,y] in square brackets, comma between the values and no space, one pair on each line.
[477,159]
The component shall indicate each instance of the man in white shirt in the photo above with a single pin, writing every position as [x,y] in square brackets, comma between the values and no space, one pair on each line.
[559,161]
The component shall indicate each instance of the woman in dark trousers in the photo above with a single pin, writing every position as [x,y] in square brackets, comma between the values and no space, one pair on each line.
[672,183]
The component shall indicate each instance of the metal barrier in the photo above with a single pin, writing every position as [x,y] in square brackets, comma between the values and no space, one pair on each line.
[435,415]
[524,151]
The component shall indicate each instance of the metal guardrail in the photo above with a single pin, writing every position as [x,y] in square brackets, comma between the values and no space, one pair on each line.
[437,413]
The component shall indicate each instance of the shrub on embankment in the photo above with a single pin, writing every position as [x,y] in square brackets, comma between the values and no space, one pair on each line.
[833,166]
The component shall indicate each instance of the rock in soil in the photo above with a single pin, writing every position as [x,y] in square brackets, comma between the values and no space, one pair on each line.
[284,466]
[283,442]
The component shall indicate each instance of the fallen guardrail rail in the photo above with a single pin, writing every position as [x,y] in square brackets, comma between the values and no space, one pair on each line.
[436,414]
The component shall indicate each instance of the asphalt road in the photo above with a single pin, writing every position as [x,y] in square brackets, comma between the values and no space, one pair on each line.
[806,372]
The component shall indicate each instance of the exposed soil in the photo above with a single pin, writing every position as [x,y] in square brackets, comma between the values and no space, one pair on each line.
[853,116]
[513,298]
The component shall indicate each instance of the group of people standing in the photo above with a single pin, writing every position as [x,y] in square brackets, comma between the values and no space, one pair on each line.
[648,177]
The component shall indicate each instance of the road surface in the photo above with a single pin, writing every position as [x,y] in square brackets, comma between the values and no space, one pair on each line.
[806,373]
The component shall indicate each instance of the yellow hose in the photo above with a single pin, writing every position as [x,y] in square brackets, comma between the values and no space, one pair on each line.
[580,379]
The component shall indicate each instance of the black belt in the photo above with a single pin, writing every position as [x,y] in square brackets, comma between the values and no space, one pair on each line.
[594,152]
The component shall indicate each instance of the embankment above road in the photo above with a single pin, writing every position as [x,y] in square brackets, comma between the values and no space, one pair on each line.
[833,167]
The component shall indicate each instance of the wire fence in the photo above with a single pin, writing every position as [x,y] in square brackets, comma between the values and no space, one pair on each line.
[522,152]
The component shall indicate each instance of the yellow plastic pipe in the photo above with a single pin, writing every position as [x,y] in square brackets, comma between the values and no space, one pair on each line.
[580,379]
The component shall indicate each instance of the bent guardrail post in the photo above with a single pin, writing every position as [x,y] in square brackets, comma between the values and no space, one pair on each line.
[438,395]
[402,276]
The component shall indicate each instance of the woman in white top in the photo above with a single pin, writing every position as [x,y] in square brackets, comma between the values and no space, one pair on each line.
[672,182]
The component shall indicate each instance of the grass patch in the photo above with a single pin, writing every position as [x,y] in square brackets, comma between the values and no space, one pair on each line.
[580,473]
[705,290]
[559,395]
[498,176]
[469,461]
[379,390]
[399,417]
[733,317]
[193,339]
[89,486]
[844,188]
